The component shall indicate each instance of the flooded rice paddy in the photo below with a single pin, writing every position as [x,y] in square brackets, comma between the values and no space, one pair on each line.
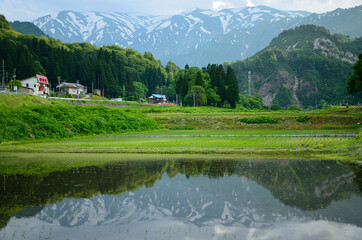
[186,199]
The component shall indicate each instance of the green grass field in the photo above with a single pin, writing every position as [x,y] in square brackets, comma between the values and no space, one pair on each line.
[56,127]
[253,142]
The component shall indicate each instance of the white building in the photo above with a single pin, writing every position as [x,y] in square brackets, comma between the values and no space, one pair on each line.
[39,84]
[72,88]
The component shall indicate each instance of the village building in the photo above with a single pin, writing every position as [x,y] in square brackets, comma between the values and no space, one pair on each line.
[72,88]
[39,84]
[4,89]
[97,92]
[157,99]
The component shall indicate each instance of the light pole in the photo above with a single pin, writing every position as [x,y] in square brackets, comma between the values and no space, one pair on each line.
[58,78]
[194,100]
[14,86]
[3,79]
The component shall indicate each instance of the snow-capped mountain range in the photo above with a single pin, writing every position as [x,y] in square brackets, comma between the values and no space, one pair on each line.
[195,37]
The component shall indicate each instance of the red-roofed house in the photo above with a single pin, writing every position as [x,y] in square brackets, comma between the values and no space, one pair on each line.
[39,84]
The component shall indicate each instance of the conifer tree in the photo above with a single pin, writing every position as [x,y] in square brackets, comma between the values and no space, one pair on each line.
[232,89]
[354,83]
[200,79]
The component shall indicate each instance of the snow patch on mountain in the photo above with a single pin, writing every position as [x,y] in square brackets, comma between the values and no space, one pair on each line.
[170,37]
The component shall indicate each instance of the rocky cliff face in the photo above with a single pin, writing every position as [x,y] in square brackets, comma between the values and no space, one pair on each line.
[270,89]
[329,49]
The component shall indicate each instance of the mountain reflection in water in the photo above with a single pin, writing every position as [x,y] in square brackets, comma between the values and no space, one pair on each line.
[186,199]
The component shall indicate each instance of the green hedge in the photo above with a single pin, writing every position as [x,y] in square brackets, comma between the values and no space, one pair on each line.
[47,121]
[260,120]
[303,118]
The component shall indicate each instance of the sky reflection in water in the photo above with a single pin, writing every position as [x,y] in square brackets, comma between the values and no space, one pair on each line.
[203,199]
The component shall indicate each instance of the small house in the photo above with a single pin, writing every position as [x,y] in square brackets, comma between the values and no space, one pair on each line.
[157,99]
[39,84]
[72,88]
[97,92]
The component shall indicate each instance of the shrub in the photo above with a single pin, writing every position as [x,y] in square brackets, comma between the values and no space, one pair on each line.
[275,107]
[295,108]
[303,118]
[260,120]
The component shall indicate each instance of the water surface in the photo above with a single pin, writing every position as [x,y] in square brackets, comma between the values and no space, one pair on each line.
[186,199]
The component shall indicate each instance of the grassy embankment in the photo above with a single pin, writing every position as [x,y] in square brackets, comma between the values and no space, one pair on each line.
[33,118]
[73,129]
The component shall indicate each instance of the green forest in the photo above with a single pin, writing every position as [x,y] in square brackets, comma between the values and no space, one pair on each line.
[210,86]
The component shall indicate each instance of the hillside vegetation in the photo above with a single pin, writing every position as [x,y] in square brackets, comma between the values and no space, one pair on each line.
[49,121]
[306,66]
[27,28]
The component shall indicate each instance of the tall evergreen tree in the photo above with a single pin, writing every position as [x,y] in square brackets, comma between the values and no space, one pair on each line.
[220,84]
[200,79]
[232,89]
[354,83]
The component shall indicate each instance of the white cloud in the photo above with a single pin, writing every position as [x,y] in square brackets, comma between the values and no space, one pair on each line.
[314,6]
[218,5]
[32,9]
[249,3]
[24,10]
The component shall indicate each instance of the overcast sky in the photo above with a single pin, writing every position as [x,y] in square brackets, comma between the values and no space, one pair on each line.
[28,10]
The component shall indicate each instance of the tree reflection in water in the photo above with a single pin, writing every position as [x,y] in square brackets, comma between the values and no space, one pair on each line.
[200,191]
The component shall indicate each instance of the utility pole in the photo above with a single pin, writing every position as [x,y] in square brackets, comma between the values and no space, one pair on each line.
[3,80]
[78,89]
[92,89]
[249,81]
[194,100]
[124,89]
[7,77]
[58,78]
[316,107]
[14,86]
[176,99]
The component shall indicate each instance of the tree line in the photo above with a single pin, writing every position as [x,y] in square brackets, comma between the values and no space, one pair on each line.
[211,86]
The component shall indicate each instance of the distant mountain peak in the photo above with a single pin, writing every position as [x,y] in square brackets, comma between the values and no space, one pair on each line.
[196,36]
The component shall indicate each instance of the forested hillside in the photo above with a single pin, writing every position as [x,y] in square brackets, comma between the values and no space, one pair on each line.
[107,68]
[306,66]
[27,28]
